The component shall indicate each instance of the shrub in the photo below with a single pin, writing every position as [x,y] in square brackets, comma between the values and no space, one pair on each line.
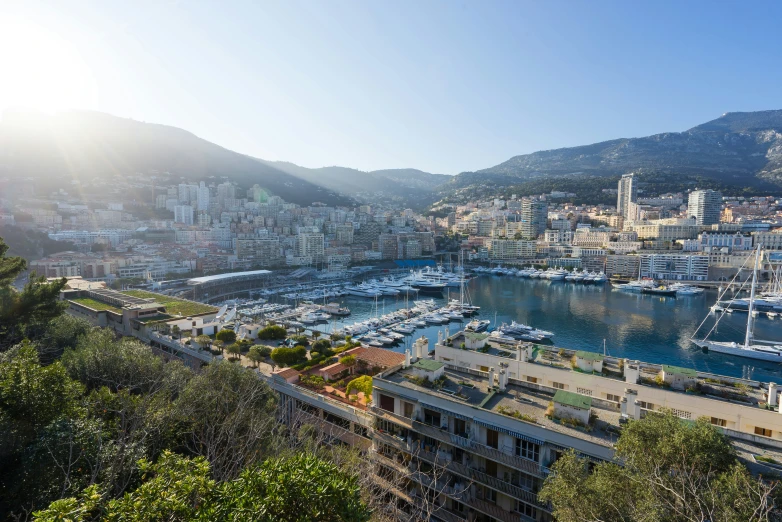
[265,351]
[301,339]
[289,356]
[227,336]
[360,384]
[273,332]
[323,346]
[312,381]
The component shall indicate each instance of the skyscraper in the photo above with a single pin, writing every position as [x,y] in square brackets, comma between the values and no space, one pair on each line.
[203,197]
[183,214]
[626,194]
[705,206]
[534,216]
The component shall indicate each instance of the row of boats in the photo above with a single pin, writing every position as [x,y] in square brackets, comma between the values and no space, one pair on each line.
[650,286]
[551,273]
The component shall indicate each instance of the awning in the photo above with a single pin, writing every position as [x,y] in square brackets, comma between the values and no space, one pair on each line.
[445,412]
[509,432]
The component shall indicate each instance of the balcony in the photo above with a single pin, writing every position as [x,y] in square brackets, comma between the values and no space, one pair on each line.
[527,466]
[392,417]
[332,430]
[393,440]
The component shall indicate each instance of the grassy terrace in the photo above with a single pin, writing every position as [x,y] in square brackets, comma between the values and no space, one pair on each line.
[174,306]
[96,305]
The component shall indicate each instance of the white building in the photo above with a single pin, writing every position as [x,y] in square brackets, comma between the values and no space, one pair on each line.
[627,193]
[675,267]
[705,206]
[183,214]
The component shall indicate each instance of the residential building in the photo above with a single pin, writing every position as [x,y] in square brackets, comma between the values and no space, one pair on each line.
[311,245]
[183,214]
[627,193]
[705,206]
[675,266]
[533,217]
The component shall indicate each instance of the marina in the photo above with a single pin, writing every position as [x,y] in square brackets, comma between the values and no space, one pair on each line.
[637,326]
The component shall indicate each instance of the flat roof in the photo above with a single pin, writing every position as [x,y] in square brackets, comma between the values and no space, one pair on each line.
[589,356]
[573,399]
[678,370]
[428,365]
[218,277]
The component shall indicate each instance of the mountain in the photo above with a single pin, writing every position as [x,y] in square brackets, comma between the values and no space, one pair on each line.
[82,145]
[742,149]
[408,186]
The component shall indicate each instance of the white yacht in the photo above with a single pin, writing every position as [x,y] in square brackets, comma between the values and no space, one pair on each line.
[683,289]
[751,348]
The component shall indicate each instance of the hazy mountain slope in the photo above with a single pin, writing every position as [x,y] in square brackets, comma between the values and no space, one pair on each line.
[409,185]
[84,145]
[737,148]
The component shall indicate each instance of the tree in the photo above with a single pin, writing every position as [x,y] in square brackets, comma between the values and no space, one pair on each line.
[175,331]
[204,341]
[256,355]
[323,346]
[315,334]
[227,336]
[289,356]
[303,487]
[672,470]
[217,344]
[234,349]
[349,361]
[272,332]
[362,384]
[26,313]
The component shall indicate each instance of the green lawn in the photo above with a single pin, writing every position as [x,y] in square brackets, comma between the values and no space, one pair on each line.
[174,306]
[95,305]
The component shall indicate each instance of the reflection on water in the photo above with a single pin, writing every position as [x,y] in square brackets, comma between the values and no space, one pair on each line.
[649,328]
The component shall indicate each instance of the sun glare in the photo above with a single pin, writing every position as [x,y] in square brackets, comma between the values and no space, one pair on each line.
[41,70]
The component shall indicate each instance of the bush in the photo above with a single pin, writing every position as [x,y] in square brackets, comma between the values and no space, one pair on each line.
[312,381]
[244,345]
[227,336]
[273,332]
[265,351]
[323,346]
[301,339]
[360,384]
[289,356]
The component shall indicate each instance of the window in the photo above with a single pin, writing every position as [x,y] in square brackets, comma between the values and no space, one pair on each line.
[612,397]
[532,379]
[646,405]
[408,410]
[491,468]
[719,422]
[492,438]
[459,427]
[762,431]
[527,450]
[526,510]
[484,368]
[432,418]
[489,494]
[523,481]
[558,385]
[457,506]
[584,391]
[387,403]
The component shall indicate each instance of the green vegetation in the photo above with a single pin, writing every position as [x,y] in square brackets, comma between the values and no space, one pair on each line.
[315,382]
[360,384]
[769,460]
[174,306]
[349,361]
[258,353]
[673,470]
[227,336]
[302,487]
[272,332]
[31,244]
[284,356]
[95,305]
[25,314]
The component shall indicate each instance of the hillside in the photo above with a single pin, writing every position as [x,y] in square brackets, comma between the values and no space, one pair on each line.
[742,149]
[55,150]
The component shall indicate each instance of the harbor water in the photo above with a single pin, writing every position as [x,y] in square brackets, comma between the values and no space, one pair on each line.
[636,326]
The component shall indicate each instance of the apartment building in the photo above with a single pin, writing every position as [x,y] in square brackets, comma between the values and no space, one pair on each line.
[508,249]
[675,267]
[472,432]
[259,251]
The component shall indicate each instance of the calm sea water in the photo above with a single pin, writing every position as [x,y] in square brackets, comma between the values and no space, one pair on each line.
[637,326]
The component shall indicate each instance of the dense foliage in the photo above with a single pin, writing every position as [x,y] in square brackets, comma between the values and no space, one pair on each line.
[272,332]
[360,384]
[25,313]
[289,356]
[672,471]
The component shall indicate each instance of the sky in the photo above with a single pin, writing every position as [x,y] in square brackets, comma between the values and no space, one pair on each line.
[442,86]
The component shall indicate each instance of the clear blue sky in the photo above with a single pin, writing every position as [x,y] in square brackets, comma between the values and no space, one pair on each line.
[443,86]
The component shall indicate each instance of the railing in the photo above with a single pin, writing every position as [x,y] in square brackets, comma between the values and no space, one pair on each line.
[332,430]
[380,413]
[527,466]
[322,398]
[179,347]
[392,440]
[493,510]
[477,475]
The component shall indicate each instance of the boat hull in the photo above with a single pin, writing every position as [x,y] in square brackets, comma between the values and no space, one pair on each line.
[739,351]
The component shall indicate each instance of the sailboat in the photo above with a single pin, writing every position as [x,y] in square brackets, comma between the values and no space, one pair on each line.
[463,305]
[751,348]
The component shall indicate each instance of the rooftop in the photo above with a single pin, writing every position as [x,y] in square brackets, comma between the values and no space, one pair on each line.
[428,364]
[575,400]
[174,305]
[677,370]
[589,356]
[376,356]
[231,275]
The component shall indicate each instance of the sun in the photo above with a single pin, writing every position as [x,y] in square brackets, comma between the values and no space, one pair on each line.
[41,70]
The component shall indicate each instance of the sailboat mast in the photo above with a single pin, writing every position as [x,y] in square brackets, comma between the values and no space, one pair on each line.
[750,319]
